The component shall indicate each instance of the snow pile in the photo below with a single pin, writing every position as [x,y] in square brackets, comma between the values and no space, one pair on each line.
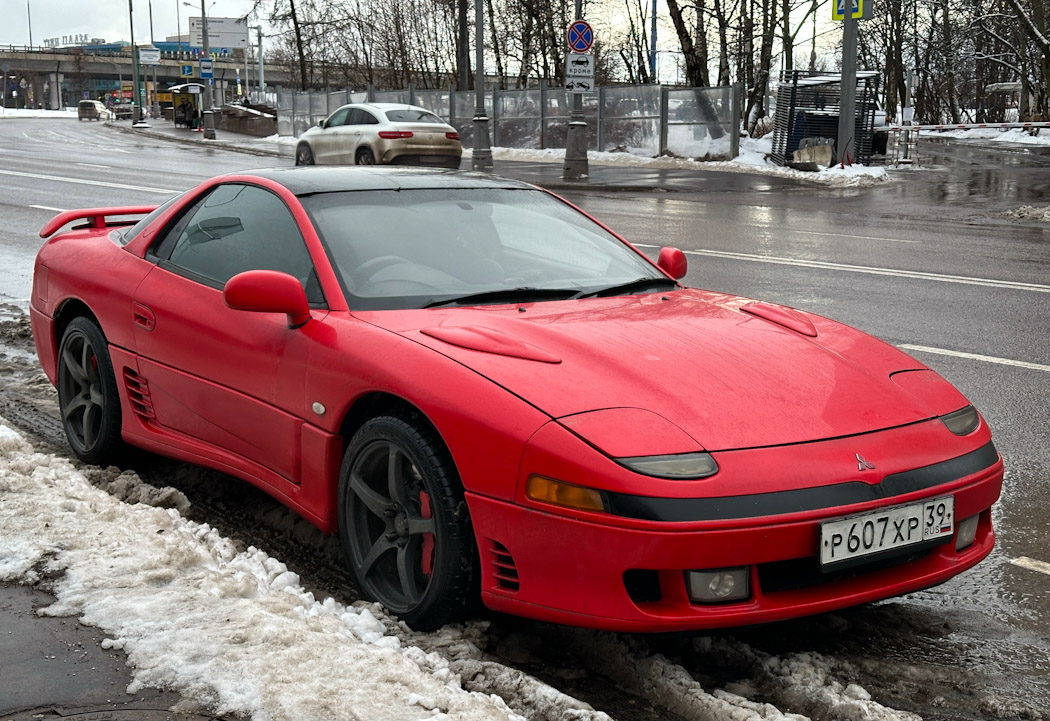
[232,631]
[752,159]
[66,113]
[1028,212]
[1016,136]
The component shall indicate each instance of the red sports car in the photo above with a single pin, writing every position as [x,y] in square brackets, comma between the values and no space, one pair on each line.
[483,390]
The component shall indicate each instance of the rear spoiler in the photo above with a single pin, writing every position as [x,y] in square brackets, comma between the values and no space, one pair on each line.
[97,216]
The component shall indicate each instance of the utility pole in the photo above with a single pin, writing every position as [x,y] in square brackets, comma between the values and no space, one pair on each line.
[481,157]
[136,101]
[156,101]
[262,80]
[209,94]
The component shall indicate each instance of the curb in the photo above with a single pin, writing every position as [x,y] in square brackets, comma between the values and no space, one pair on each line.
[224,145]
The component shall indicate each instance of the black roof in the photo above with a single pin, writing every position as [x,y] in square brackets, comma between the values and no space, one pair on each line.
[333,179]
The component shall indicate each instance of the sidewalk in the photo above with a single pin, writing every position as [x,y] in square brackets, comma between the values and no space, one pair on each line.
[606,178]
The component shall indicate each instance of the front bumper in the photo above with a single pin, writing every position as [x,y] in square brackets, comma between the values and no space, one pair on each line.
[627,574]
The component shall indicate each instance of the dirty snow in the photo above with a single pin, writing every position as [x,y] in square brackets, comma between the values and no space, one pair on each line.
[1028,212]
[752,159]
[234,632]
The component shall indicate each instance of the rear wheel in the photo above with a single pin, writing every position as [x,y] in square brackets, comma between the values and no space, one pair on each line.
[404,524]
[365,157]
[87,394]
[303,155]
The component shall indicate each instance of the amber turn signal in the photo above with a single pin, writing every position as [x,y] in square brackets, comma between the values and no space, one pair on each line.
[546,490]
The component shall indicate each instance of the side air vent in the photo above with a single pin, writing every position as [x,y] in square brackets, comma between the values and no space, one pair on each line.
[504,570]
[138,395]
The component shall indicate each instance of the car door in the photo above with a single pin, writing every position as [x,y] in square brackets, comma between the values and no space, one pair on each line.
[228,379]
[324,141]
[349,137]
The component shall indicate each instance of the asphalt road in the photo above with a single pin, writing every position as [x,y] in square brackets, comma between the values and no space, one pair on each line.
[927,261]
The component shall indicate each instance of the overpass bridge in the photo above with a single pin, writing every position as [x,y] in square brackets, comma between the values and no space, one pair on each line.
[55,77]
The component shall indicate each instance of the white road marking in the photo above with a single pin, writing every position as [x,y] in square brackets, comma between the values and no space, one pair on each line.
[831,235]
[870,270]
[1032,564]
[976,356]
[93,165]
[48,207]
[82,181]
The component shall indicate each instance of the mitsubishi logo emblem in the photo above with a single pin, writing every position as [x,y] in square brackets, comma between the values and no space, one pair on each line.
[863,465]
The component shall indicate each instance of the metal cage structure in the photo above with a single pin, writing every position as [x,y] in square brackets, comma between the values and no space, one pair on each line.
[807,106]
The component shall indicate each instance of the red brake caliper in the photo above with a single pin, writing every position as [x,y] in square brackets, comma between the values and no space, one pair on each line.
[428,538]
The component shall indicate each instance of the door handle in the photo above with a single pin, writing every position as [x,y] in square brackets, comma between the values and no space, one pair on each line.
[144,317]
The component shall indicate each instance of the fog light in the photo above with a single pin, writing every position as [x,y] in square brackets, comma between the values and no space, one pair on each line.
[966,532]
[718,586]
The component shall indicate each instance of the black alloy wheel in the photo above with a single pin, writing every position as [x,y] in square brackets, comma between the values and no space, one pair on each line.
[303,155]
[365,157]
[87,394]
[404,524]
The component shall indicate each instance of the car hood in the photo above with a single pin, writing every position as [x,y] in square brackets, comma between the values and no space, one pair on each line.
[726,371]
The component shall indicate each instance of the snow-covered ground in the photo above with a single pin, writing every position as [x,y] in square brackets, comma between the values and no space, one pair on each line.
[65,113]
[1014,136]
[232,629]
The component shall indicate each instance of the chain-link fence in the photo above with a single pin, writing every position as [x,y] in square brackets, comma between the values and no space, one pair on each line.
[647,120]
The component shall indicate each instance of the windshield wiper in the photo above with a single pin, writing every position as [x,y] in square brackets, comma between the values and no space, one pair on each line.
[628,287]
[507,295]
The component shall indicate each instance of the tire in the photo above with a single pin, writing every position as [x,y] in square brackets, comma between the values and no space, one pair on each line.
[365,157]
[87,394]
[404,525]
[303,155]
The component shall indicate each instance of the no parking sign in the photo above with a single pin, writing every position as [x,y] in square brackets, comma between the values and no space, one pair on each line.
[580,36]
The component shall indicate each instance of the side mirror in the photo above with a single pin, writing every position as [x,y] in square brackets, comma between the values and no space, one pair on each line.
[672,261]
[268,291]
[322,123]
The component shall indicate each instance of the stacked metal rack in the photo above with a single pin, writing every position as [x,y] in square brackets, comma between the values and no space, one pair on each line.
[807,106]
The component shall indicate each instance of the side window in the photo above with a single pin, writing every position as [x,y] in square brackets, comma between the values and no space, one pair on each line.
[337,118]
[356,117]
[234,229]
[368,118]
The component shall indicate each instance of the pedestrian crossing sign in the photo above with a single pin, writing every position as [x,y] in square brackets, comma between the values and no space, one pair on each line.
[859,9]
[185,70]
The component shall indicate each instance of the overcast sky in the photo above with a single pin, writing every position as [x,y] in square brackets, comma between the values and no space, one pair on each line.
[106,19]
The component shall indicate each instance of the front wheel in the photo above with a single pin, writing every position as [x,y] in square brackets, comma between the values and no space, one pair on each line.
[303,155]
[87,394]
[403,522]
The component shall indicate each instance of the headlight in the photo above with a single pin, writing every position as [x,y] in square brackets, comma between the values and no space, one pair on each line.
[679,466]
[962,421]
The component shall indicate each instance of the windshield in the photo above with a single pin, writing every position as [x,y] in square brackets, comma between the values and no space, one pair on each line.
[414,248]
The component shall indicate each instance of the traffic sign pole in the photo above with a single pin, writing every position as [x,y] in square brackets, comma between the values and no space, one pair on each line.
[580,37]
[848,88]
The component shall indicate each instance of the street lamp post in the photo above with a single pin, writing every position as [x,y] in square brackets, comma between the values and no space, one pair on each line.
[481,157]
[156,101]
[136,108]
[29,18]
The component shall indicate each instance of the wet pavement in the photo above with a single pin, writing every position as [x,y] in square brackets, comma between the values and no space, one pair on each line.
[987,629]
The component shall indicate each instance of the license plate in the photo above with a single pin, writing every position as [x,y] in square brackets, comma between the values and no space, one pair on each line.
[885,530]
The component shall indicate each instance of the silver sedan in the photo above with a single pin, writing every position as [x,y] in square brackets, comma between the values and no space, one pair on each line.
[384,133]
